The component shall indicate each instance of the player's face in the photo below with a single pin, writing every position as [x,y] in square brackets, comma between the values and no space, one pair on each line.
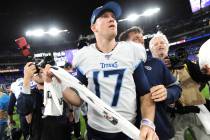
[136,37]
[105,25]
[159,48]
[38,78]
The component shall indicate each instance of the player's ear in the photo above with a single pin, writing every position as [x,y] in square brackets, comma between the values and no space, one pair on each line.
[93,27]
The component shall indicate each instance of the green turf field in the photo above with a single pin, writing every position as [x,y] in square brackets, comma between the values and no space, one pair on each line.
[205,92]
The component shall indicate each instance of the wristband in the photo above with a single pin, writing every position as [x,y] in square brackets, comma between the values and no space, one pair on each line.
[148,123]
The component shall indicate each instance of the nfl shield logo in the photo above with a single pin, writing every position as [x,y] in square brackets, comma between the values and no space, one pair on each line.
[107,56]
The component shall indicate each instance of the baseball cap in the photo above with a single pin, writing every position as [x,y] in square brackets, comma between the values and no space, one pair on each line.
[112,6]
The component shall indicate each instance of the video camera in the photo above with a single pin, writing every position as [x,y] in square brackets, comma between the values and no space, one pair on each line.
[178,58]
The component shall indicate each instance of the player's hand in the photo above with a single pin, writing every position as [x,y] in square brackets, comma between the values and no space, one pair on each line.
[28,118]
[29,70]
[147,133]
[206,69]
[47,74]
[11,122]
[158,93]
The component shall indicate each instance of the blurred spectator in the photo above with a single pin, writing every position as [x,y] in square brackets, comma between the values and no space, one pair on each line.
[16,88]
[4,100]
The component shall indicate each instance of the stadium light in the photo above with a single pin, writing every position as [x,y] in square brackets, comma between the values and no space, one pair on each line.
[54,31]
[134,17]
[29,33]
[151,12]
[40,32]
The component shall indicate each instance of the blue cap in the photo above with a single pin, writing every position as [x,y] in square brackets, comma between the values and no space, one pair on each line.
[112,6]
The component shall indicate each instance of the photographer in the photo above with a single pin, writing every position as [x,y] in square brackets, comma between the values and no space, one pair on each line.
[31,105]
[185,110]
[4,100]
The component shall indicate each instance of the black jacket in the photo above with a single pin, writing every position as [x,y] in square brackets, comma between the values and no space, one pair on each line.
[32,103]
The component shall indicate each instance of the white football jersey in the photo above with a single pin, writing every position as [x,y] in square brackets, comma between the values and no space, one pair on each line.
[16,89]
[110,77]
[17,86]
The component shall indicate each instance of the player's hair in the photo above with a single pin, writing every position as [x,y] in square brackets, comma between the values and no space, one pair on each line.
[124,35]
[158,35]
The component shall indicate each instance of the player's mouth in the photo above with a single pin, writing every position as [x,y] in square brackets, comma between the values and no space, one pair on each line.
[161,49]
[111,26]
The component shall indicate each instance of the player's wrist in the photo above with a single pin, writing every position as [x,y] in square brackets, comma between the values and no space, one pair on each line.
[147,122]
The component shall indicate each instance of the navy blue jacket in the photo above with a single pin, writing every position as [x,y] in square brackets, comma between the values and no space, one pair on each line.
[158,74]
[32,103]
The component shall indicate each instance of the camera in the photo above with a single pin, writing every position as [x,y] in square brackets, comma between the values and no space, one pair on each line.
[41,62]
[178,58]
[45,61]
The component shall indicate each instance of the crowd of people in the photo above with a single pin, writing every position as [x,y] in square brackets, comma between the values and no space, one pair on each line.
[145,89]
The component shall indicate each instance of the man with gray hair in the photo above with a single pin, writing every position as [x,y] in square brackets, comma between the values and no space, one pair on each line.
[187,120]
[159,47]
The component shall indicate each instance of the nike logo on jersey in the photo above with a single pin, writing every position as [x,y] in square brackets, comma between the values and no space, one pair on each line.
[148,67]
[109,65]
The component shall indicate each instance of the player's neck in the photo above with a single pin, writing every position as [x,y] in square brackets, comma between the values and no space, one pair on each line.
[105,45]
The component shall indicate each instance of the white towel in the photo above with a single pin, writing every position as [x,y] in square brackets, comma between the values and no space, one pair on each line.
[53,98]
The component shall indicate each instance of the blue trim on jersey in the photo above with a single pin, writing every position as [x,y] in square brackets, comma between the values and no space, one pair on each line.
[80,70]
[95,80]
[81,77]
